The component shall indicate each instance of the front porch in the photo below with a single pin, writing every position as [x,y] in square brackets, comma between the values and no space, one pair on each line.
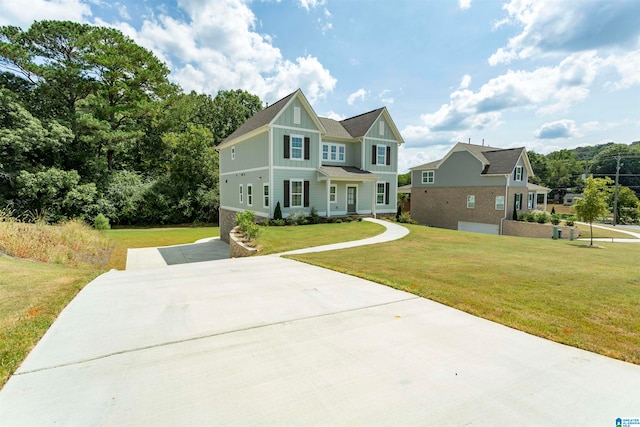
[349,191]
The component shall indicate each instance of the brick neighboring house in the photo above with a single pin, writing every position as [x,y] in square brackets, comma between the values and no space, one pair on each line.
[473,188]
[286,153]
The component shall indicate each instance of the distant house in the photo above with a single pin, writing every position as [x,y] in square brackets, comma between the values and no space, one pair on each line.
[474,188]
[286,153]
[569,199]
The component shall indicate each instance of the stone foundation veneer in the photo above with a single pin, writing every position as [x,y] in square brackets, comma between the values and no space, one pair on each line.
[237,248]
[533,229]
[226,221]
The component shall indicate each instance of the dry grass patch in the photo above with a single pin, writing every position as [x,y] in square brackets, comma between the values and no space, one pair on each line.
[587,298]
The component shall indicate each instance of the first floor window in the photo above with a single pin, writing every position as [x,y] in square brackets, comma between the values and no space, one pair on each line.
[332,193]
[249,194]
[530,201]
[427,177]
[471,201]
[380,194]
[518,202]
[265,195]
[499,203]
[241,194]
[296,194]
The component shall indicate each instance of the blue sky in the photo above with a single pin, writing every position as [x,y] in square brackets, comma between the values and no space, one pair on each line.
[544,75]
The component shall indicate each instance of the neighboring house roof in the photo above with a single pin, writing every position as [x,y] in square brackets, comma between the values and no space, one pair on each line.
[537,188]
[405,189]
[347,172]
[495,161]
[571,195]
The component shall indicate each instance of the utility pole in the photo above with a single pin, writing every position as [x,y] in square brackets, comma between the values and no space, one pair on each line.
[615,195]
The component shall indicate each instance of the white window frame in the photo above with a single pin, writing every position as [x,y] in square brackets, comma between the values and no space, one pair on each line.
[249,194]
[292,194]
[233,153]
[518,202]
[378,194]
[384,154]
[428,177]
[296,115]
[333,193]
[499,205]
[519,173]
[334,152]
[471,201]
[241,194]
[291,148]
[530,200]
[265,195]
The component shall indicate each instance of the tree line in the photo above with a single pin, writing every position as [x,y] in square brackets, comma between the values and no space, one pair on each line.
[90,124]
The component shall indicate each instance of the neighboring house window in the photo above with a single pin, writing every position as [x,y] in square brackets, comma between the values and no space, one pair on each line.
[518,201]
[265,195]
[296,147]
[296,193]
[471,202]
[333,152]
[332,193]
[296,115]
[428,177]
[499,203]
[241,194]
[382,193]
[530,201]
[233,153]
[517,176]
[381,128]
[249,194]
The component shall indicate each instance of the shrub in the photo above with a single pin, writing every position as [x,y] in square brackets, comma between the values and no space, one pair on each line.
[278,222]
[348,219]
[338,221]
[277,213]
[297,218]
[359,219]
[406,218]
[314,218]
[520,216]
[101,222]
[246,223]
[570,221]
[542,217]
[530,216]
[555,219]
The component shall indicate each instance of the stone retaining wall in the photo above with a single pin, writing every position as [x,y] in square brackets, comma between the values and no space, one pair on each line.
[533,229]
[237,248]
[226,221]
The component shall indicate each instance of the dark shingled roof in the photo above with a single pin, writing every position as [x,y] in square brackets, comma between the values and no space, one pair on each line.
[259,119]
[359,125]
[502,162]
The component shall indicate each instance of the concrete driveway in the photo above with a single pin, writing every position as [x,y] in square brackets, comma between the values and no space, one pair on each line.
[271,341]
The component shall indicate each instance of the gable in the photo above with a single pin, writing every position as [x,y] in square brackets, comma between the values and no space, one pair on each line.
[298,114]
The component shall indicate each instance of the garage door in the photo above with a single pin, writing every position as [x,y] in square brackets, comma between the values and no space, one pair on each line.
[477,227]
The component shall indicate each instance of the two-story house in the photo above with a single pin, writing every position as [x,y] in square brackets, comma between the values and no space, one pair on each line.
[287,154]
[473,188]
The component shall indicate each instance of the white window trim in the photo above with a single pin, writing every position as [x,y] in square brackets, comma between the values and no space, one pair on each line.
[249,194]
[519,173]
[384,188]
[384,156]
[301,181]
[497,208]
[334,194]
[266,197]
[291,148]
[241,194]
[518,202]
[471,198]
[433,177]
[233,153]
[338,146]
[530,199]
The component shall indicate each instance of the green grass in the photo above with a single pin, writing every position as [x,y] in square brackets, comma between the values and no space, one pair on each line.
[560,290]
[281,239]
[151,237]
[599,233]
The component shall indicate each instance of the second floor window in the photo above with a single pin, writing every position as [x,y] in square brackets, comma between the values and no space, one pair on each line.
[382,155]
[296,147]
[333,152]
[427,177]
[517,175]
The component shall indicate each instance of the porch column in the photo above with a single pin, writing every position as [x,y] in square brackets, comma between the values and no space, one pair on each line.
[374,190]
[545,201]
[328,189]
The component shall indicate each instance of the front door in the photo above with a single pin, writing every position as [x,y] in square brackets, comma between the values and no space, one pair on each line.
[352,196]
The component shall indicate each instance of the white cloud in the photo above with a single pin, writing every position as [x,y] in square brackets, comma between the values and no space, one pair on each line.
[311,4]
[564,26]
[466,81]
[558,129]
[627,66]
[359,94]
[335,116]
[23,13]
[464,4]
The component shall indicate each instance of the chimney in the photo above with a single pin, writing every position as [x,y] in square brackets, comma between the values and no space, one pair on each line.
[469,140]
[483,142]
